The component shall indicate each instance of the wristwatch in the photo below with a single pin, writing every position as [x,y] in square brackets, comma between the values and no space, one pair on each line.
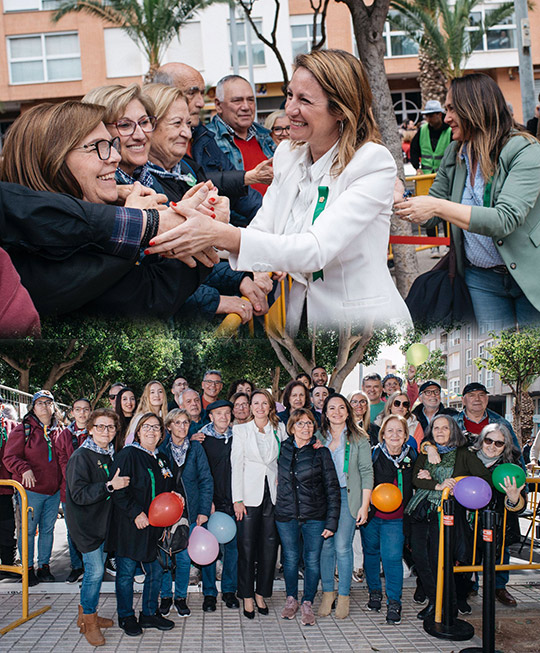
[109,486]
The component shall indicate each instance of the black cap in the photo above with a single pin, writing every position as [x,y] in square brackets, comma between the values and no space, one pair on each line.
[220,403]
[427,384]
[471,387]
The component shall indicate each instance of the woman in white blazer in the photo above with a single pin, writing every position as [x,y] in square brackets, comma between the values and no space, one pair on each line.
[326,217]
[254,455]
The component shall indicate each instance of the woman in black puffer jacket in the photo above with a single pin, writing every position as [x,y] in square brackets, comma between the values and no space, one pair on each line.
[308,502]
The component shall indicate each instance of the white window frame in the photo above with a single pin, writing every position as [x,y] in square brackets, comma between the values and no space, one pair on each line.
[489,378]
[509,27]
[239,22]
[387,35]
[304,20]
[468,357]
[468,379]
[455,337]
[44,58]
[453,386]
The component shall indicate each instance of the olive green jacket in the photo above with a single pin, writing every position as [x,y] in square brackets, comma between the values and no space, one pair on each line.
[513,217]
[360,473]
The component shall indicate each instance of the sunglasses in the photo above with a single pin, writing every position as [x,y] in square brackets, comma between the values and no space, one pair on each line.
[399,403]
[498,443]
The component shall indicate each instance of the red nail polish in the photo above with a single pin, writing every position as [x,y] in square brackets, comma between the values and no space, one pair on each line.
[152,243]
[212,199]
[147,251]
[213,216]
[173,203]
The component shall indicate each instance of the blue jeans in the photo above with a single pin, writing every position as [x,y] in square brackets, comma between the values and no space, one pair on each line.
[208,572]
[383,539]
[289,533]
[502,577]
[74,555]
[498,301]
[125,573]
[44,514]
[94,566]
[339,547]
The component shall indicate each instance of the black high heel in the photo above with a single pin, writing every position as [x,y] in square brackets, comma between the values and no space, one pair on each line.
[247,613]
[263,610]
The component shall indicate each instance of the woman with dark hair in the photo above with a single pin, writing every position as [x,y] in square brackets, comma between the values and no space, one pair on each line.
[443,457]
[254,455]
[132,537]
[383,536]
[495,446]
[487,189]
[308,224]
[125,405]
[351,454]
[307,508]
[240,385]
[295,396]
[89,486]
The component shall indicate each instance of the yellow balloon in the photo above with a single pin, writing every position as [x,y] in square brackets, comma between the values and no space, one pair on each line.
[417,354]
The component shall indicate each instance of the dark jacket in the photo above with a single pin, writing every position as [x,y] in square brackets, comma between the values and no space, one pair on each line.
[207,153]
[125,538]
[467,464]
[66,443]
[218,453]
[88,503]
[194,478]
[308,486]
[385,471]
[418,412]
[27,448]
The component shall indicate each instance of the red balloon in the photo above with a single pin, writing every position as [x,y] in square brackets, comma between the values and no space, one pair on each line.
[166,509]
[386,497]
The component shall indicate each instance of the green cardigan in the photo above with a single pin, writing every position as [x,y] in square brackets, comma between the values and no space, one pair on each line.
[360,473]
[513,217]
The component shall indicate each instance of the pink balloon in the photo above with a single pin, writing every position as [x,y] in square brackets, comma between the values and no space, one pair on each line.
[203,548]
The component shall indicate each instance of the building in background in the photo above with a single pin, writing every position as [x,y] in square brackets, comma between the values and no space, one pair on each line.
[41,60]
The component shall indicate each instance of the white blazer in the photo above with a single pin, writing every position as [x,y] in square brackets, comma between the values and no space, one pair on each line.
[348,241]
[249,469]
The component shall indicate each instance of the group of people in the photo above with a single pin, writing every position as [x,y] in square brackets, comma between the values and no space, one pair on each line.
[299,473]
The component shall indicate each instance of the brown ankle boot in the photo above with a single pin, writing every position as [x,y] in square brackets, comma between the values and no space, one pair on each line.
[91,630]
[102,622]
[325,608]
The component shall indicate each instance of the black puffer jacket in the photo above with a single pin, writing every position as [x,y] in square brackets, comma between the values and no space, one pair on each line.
[308,486]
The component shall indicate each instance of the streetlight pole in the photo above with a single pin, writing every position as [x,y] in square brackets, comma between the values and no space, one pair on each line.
[526,75]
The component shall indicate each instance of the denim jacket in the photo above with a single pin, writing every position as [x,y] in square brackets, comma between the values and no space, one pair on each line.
[226,143]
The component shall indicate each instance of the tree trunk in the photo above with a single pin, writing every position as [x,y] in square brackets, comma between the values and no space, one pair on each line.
[523,411]
[431,79]
[368,23]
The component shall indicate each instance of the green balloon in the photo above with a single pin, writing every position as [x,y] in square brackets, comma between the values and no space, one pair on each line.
[417,354]
[507,469]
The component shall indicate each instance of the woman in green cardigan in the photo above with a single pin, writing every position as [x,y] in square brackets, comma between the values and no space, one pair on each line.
[351,453]
[487,189]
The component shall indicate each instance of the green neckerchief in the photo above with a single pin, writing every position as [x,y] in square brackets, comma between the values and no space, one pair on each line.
[321,204]
[49,442]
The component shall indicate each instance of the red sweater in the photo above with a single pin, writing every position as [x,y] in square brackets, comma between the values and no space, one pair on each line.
[252,155]
[24,452]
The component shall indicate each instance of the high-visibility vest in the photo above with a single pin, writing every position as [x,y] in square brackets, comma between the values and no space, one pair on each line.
[432,160]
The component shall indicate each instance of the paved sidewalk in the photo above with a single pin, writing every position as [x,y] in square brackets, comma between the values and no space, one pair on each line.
[224,631]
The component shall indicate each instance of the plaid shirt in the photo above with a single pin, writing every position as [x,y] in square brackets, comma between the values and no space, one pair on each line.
[127,232]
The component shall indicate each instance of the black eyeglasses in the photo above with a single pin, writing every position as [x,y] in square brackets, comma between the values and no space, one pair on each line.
[280,130]
[127,127]
[399,403]
[102,147]
[498,443]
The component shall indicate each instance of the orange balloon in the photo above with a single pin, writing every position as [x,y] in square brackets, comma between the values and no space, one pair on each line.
[386,497]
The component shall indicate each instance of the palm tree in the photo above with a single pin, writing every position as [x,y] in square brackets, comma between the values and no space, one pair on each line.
[444,40]
[151,24]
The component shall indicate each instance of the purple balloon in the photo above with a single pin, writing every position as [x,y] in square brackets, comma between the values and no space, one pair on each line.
[203,548]
[473,492]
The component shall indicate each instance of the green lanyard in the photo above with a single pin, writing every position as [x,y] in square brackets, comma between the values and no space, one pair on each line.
[278,443]
[400,480]
[346,457]
[153,481]
[487,192]
[49,443]
[321,205]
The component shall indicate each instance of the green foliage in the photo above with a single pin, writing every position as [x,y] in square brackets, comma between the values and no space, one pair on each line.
[151,24]
[435,366]
[440,29]
[515,357]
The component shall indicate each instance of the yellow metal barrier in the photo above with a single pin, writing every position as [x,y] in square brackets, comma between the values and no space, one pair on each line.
[474,567]
[23,570]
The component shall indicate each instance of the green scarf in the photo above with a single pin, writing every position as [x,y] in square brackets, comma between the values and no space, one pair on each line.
[439,473]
